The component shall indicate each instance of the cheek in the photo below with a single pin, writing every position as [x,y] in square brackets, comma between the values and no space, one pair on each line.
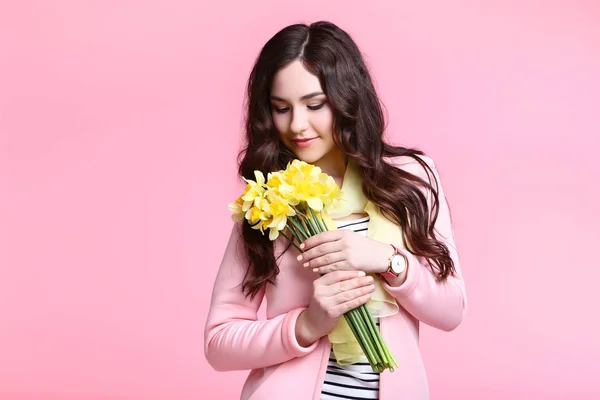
[280,122]
[323,123]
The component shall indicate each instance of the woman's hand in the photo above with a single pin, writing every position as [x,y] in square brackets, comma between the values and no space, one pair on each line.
[334,294]
[345,250]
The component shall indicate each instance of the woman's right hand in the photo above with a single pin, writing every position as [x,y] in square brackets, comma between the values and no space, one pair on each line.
[334,294]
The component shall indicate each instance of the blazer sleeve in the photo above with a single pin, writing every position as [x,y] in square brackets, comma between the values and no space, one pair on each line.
[439,304]
[234,338]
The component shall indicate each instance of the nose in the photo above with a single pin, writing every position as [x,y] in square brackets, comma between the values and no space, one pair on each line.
[299,121]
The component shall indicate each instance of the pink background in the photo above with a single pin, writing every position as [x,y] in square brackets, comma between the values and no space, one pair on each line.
[119,127]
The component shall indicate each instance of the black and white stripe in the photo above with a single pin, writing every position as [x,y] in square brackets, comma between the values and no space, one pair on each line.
[355,381]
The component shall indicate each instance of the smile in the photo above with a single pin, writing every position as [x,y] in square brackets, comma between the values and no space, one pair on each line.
[304,142]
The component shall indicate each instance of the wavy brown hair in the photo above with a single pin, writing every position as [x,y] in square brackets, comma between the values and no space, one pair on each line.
[329,53]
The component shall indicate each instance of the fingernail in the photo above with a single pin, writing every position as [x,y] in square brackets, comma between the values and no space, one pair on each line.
[301,245]
[299,257]
[315,269]
[361,273]
[305,264]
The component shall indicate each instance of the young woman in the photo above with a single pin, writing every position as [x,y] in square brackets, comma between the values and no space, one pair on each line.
[310,97]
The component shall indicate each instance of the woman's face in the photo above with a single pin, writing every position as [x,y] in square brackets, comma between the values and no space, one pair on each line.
[303,117]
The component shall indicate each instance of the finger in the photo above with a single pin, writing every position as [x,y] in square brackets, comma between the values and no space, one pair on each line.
[325,259]
[345,295]
[340,265]
[346,285]
[349,305]
[320,250]
[320,238]
[338,276]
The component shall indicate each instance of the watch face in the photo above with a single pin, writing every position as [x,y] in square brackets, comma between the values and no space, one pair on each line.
[398,263]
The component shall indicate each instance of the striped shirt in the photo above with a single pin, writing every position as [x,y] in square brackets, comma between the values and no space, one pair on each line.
[355,381]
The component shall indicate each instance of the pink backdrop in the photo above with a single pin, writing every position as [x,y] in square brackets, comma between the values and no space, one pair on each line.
[119,126]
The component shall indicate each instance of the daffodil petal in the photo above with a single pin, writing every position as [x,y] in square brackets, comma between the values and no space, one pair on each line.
[315,203]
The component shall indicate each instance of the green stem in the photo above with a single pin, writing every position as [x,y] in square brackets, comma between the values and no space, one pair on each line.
[364,327]
[389,354]
[306,228]
[293,230]
[362,337]
[291,241]
[317,220]
[354,326]
[296,236]
[370,322]
[390,357]
[357,335]
[355,332]
[301,232]
[312,224]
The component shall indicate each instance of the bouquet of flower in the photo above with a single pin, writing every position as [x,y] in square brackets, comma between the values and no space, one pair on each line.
[297,198]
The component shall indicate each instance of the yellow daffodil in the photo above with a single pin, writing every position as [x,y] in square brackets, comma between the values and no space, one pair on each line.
[304,168]
[303,182]
[275,179]
[270,204]
[279,184]
[255,189]
[279,210]
[256,217]
[332,191]
[237,209]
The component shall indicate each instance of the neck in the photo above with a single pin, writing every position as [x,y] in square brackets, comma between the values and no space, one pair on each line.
[334,166]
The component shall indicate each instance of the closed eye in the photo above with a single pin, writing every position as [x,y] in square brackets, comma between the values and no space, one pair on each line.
[281,110]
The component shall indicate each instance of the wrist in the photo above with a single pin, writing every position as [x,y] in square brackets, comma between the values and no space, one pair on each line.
[304,333]
[396,280]
[387,253]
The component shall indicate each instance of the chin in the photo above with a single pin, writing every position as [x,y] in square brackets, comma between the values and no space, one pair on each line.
[309,158]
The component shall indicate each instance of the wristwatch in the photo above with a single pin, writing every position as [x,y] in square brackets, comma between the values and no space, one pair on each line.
[397,263]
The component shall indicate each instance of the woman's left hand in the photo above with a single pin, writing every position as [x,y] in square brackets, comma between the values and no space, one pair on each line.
[345,250]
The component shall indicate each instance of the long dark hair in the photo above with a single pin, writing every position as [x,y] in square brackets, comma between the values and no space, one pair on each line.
[330,54]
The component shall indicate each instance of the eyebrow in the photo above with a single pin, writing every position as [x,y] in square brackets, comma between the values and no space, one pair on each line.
[305,97]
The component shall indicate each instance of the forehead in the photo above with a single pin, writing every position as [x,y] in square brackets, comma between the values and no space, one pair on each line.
[294,81]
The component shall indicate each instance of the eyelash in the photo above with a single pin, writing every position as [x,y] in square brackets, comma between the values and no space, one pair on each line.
[312,108]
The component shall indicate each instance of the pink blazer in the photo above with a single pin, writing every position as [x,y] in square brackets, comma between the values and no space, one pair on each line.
[279,367]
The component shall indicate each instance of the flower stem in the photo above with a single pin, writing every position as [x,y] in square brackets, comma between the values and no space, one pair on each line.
[317,220]
[301,231]
[362,335]
[291,241]
[294,233]
[368,319]
[358,337]
[311,225]
[302,220]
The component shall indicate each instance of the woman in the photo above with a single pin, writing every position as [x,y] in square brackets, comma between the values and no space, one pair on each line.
[310,97]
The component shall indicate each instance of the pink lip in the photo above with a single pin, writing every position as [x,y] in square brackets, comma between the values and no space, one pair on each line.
[304,142]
